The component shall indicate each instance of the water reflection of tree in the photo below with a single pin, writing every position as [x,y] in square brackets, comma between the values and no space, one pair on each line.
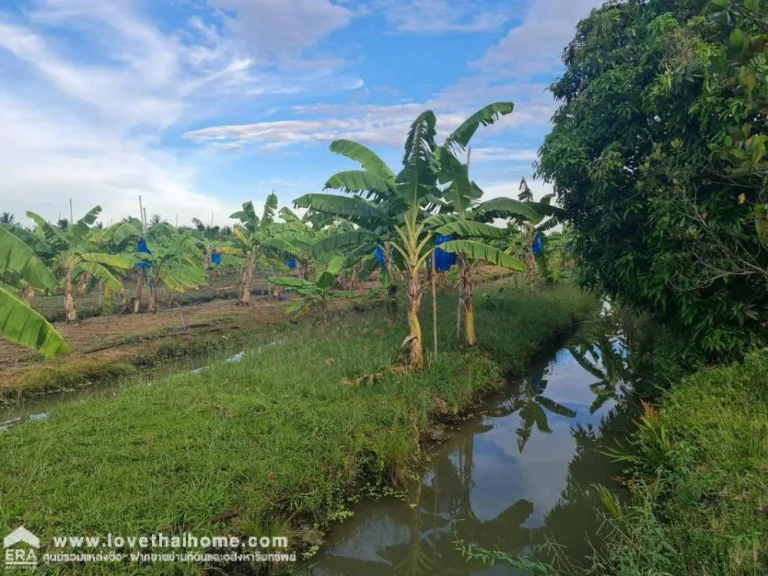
[574,521]
[444,508]
[532,406]
[445,513]
[612,354]
[604,354]
[442,513]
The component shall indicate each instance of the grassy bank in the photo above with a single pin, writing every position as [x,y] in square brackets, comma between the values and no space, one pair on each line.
[700,480]
[273,442]
[105,348]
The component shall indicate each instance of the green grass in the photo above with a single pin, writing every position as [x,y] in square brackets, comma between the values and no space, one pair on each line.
[278,438]
[700,480]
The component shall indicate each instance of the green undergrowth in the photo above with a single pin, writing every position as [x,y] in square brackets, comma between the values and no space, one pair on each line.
[699,474]
[162,350]
[276,443]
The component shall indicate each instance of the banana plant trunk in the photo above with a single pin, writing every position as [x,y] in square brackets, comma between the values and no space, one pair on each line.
[28,293]
[69,301]
[531,266]
[208,265]
[153,298]
[469,309]
[415,289]
[82,284]
[139,291]
[245,282]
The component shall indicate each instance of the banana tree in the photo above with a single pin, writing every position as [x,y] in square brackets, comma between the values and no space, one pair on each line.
[75,252]
[391,210]
[127,239]
[316,294]
[465,223]
[210,239]
[561,244]
[249,238]
[392,215]
[293,239]
[457,195]
[18,322]
[175,262]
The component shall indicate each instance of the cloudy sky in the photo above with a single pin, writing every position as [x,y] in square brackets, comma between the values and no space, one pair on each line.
[200,105]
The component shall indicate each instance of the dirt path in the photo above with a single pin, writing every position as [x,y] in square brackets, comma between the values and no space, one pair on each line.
[99,344]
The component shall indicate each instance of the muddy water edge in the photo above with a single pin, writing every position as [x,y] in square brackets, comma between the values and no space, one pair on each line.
[521,473]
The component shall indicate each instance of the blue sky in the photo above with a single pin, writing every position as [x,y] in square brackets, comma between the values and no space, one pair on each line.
[200,105]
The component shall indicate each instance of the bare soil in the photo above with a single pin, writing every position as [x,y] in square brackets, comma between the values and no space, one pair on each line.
[102,341]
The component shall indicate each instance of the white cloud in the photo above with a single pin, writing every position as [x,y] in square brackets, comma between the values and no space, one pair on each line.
[383,125]
[282,28]
[87,90]
[534,46]
[135,76]
[48,158]
[502,155]
[443,15]
[508,71]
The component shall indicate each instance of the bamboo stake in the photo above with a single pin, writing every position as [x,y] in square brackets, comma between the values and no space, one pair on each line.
[460,263]
[460,306]
[141,216]
[434,302]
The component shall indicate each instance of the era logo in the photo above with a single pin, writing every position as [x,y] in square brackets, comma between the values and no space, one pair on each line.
[21,557]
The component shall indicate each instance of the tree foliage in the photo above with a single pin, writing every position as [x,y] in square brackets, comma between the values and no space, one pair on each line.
[641,157]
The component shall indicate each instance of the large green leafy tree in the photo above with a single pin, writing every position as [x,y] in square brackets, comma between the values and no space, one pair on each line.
[633,159]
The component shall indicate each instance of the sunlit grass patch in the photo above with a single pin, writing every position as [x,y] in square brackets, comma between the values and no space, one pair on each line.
[280,438]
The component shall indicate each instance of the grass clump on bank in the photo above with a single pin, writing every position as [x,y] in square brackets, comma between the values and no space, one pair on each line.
[275,441]
[700,480]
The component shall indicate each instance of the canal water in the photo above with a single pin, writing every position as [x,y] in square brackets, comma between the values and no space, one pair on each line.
[521,474]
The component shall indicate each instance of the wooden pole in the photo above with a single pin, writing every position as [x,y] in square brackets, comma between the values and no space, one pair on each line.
[71,217]
[461,304]
[434,302]
[141,217]
[460,262]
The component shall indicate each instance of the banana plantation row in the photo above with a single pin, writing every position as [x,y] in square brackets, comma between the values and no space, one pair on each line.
[404,229]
